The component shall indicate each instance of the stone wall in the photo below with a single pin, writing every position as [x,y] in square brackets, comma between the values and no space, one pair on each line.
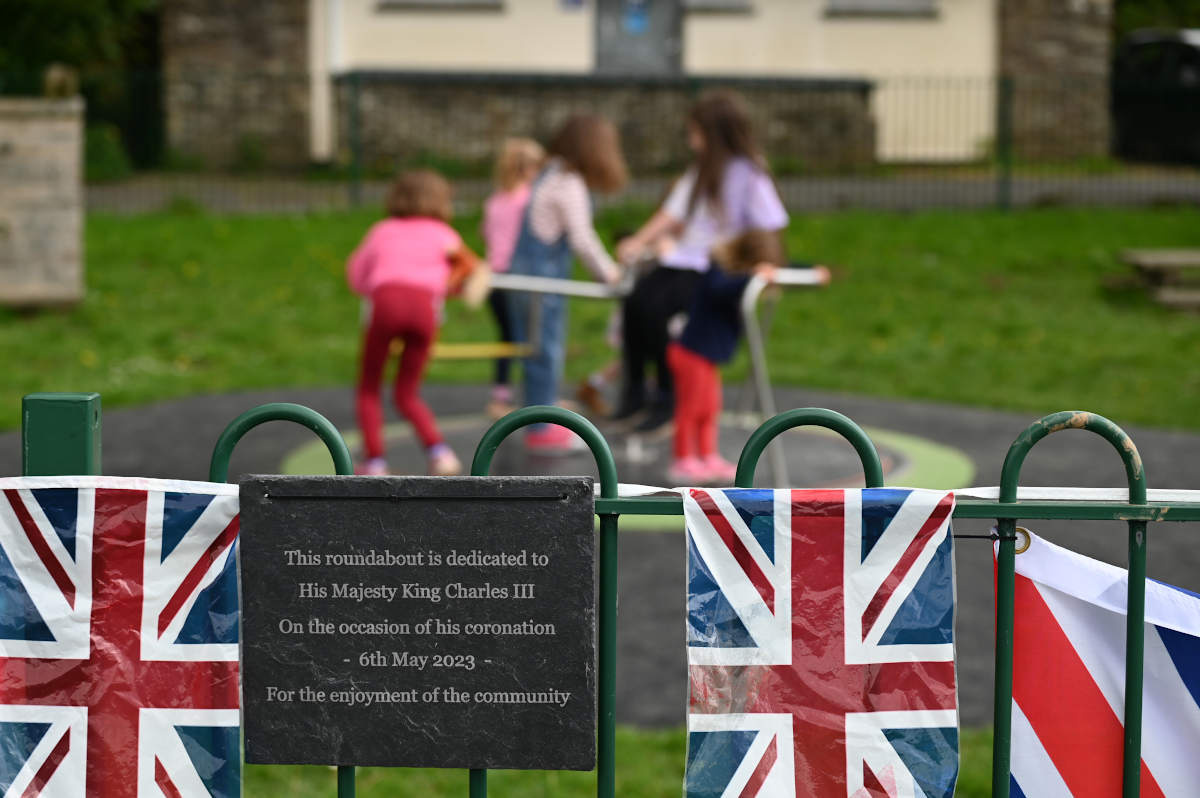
[1056,54]
[808,126]
[41,201]
[236,84]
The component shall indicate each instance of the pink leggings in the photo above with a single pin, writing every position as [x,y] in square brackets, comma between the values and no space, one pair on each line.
[408,314]
[697,401]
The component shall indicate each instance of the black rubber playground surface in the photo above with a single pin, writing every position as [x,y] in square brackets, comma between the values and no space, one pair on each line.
[920,441]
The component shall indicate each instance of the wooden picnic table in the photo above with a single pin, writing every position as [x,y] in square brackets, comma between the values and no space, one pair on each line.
[1172,275]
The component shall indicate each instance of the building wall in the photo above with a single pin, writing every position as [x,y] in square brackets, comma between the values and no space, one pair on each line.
[519,36]
[802,37]
[934,74]
[236,80]
[254,82]
[458,122]
[41,201]
[1057,54]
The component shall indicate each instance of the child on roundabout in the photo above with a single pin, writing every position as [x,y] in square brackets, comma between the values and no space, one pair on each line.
[726,191]
[519,162]
[585,155]
[709,339]
[405,266]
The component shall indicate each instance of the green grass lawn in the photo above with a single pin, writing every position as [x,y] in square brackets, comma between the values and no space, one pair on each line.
[1024,310]
[649,765]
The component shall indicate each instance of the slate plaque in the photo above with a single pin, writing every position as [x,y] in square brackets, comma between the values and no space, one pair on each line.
[419,621]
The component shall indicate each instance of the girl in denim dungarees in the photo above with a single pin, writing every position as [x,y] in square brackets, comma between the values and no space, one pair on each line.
[585,155]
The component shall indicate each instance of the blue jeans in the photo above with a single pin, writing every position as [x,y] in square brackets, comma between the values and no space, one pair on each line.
[543,368]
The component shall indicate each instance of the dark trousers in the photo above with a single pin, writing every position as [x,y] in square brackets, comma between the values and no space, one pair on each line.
[501,309]
[658,296]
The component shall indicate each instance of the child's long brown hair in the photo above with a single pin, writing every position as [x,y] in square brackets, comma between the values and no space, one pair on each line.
[721,118]
[743,252]
[589,144]
[420,192]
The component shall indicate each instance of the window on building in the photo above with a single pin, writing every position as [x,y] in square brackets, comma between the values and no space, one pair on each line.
[881,8]
[439,5]
[717,5]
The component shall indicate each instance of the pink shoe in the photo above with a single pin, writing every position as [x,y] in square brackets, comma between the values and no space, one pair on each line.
[719,470]
[373,467]
[553,439]
[444,464]
[688,472]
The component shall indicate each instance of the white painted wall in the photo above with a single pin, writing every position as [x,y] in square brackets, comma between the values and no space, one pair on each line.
[523,36]
[935,95]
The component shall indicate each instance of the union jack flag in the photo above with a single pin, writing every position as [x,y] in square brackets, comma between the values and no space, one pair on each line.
[118,638]
[820,643]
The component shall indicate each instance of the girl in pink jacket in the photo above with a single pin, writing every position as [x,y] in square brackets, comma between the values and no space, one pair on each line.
[405,267]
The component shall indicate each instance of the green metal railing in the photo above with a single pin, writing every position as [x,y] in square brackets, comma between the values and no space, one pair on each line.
[61,434]
[606,743]
[1135,613]
[343,464]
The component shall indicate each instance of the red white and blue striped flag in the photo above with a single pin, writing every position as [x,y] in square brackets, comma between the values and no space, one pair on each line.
[820,643]
[118,638]
[1069,680]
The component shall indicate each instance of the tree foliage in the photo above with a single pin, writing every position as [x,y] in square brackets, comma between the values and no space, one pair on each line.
[1129,15]
[81,33]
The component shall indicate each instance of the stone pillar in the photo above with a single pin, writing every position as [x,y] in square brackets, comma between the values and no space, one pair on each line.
[1057,54]
[41,201]
[236,82]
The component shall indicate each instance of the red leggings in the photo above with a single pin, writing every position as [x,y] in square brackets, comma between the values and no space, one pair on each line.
[697,401]
[408,314]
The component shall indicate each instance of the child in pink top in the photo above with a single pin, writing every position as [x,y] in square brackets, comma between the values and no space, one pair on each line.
[519,162]
[405,266]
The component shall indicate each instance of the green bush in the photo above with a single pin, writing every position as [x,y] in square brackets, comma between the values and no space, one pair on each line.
[177,160]
[104,157]
[250,155]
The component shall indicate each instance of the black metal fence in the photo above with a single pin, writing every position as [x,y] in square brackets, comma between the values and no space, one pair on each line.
[285,143]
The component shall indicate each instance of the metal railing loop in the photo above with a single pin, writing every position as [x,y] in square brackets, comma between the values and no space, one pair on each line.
[547,414]
[1073,419]
[218,471]
[1135,612]
[809,417]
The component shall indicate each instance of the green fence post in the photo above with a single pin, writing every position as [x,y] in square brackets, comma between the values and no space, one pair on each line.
[1004,142]
[354,131]
[809,417]
[606,743]
[1135,617]
[60,434]
[218,471]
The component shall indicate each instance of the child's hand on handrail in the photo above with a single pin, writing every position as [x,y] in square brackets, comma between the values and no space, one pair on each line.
[767,271]
[630,250]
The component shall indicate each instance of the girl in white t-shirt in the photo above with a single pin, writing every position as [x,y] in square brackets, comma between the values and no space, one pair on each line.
[726,191]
